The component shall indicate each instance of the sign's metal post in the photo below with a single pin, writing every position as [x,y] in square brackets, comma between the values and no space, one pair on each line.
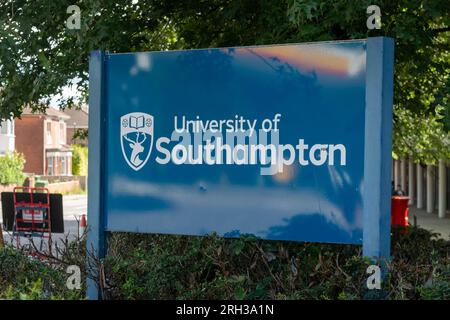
[378,146]
[96,241]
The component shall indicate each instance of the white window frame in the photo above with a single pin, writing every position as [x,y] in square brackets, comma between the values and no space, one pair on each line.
[4,127]
[62,133]
[50,160]
[11,128]
[7,128]
[48,133]
[63,165]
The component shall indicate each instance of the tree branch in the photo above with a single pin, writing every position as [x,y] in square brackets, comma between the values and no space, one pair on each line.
[440,30]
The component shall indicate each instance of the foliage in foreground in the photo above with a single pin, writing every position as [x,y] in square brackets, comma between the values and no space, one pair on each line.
[11,168]
[79,160]
[27,278]
[142,266]
[168,267]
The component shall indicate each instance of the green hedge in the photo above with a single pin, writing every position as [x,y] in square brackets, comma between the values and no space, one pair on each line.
[143,266]
[174,267]
[80,160]
[11,168]
[26,278]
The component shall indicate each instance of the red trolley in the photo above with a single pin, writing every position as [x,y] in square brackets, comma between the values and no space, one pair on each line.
[32,215]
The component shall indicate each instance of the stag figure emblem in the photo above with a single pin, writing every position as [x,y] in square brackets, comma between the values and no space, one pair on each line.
[136,138]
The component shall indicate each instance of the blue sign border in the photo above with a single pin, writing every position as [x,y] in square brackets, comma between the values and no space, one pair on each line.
[377,154]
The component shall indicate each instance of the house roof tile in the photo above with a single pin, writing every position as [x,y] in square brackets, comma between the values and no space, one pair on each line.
[79,118]
[50,112]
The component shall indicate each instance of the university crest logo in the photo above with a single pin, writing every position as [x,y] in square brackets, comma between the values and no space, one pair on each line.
[136,138]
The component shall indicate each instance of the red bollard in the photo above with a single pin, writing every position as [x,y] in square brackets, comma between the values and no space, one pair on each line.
[399,211]
[83,225]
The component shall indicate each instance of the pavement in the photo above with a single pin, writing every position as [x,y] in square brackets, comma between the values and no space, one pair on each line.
[430,221]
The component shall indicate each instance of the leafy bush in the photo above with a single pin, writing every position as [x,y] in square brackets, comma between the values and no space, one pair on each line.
[176,267]
[152,266]
[25,277]
[437,288]
[11,168]
[79,160]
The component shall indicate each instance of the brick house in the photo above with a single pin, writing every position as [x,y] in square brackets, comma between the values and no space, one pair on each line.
[42,138]
[79,120]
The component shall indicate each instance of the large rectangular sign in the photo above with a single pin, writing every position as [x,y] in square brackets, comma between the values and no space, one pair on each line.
[261,140]
[284,142]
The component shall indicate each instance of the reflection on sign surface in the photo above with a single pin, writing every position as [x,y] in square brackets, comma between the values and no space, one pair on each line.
[263,140]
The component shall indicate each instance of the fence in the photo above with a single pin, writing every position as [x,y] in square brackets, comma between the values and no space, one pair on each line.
[428,186]
[55,179]
[60,184]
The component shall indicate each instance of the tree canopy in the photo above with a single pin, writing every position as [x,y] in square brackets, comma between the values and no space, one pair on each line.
[39,55]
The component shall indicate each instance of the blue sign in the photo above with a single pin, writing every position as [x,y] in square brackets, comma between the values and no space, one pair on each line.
[284,142]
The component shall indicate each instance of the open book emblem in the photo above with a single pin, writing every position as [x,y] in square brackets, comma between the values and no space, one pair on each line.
[136,138]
